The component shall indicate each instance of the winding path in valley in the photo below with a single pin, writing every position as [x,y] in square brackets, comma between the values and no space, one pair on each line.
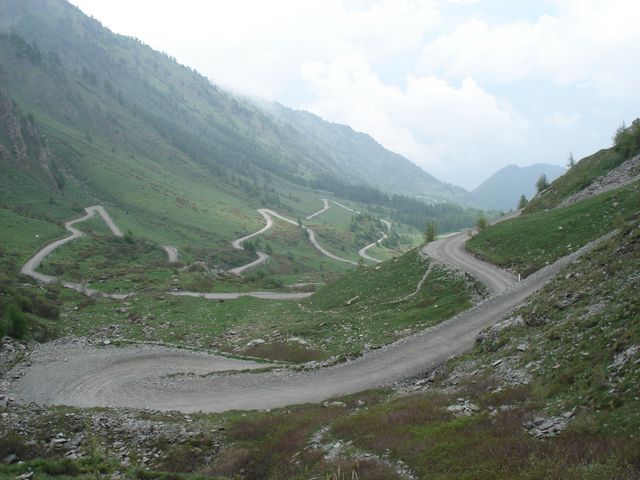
[34,262]
[363,251]
[451,252]
[172,253]
[269,215]
[87,376]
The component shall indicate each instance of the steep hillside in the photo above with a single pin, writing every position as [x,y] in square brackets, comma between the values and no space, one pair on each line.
[550,392]
[375,164]
[159,145]
[502,190]
[527,243]
[580,176]
[211,126]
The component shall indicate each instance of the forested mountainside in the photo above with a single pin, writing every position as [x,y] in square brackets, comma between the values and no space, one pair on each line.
[210,125]
[374,164]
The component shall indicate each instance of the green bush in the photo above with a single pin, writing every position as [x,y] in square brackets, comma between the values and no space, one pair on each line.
[626,141]
[16,322]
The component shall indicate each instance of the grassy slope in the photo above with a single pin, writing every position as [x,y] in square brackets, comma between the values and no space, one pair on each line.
[325,321]
[530,241]
[577,178]
[573,331]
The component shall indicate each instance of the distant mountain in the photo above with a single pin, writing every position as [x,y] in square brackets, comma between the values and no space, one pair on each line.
[503,189]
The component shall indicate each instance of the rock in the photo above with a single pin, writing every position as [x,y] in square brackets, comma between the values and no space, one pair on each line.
[253,343]
[298,340]
[25,476]
[349,302]
[522,347]
[335,404]
[490,339]
[547,427]
[622,358]
[496,363]
[463,408]
[10,458]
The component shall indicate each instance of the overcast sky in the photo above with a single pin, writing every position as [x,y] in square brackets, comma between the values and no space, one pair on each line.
[460,87]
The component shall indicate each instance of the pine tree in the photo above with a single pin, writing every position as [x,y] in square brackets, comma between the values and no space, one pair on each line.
[542,183]
[431,232]
[481,224]
[523,202]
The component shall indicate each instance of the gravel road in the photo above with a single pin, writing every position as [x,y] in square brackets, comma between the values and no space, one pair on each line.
[140,377]
[172,253]
[325,207]
[34,262]
[363,251]
[269,215]
[451,251]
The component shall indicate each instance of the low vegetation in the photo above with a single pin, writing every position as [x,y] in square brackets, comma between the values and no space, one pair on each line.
[365,308]
[529,242]
[582,173]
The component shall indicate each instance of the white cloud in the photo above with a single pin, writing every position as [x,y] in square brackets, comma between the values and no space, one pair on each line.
[587,43]
[457,133]
[258,47]
[564,120]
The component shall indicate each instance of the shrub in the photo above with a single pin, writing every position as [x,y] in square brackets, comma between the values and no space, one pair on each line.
[16,322]
[542,183]
[626,141]
[481,224]
[431,232]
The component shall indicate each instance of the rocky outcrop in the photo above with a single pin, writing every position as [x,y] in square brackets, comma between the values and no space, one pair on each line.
[21,145]
[624,174]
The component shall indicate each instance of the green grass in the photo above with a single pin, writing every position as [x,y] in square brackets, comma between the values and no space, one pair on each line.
[325,321]
[578,324]
[529,242]
[419,431]
[22,235]
[570,345]
[577,178]
[574,327]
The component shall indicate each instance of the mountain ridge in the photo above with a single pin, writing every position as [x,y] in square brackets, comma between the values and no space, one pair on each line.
[155,87]
[503,189]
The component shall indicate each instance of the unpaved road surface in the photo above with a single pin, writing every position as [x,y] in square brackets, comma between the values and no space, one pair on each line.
[451,251]
[363,251]
[172,253]
[325,207]
[269,215]
[34,262]
[135,378]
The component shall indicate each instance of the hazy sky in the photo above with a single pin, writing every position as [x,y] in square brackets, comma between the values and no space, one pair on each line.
[460,87]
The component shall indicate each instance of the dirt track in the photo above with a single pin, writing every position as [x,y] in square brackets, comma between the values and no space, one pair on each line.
[90,376]
[363,251]
[34,262]
[451,252]
[269,215]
